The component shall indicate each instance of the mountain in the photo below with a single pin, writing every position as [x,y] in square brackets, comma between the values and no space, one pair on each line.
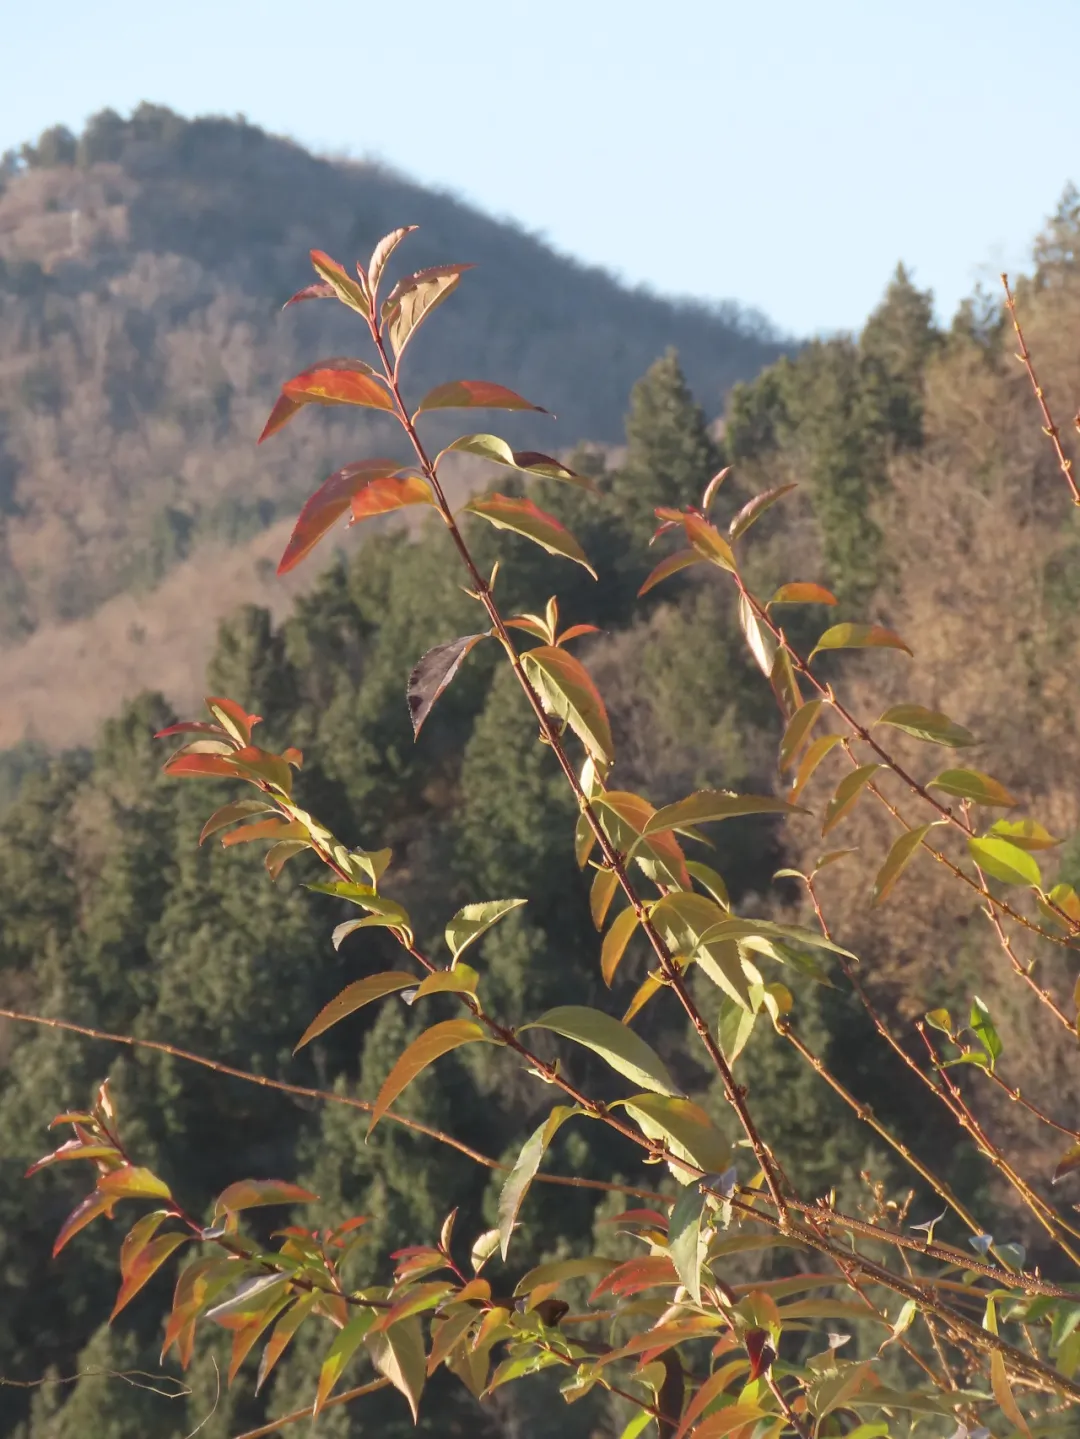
[142,269]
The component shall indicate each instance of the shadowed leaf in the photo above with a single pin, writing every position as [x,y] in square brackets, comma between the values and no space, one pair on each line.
[230,813]
[900,855]
[525,1167]
[432,675]
[798,728]
[253,1193]
[568,693]
[684,1127]
[929,725]
[847,793]
[398,1354]
[708,805]
[816,752]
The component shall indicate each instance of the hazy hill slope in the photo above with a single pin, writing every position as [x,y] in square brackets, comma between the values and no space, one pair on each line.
[141,343]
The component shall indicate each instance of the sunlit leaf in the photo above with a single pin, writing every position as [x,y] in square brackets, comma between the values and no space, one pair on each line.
[1003,1393]
[798,728]
[982,1026]
[759,637]
[847,793]
[525,1166]
[474,920]
[273,829]
[132,1182]
[559,1271]
[684,1127]
[370,487]
[624,1050]
[319,290]
[353,997]
[440,1039]
[432,675]
[900,855]
[688,1239]
[1024,833]
[462,979]
[801,593]
[1060,905]
[567,692]
[413,299]
[531,462]
[398,1354]
[708,541]
[345,1345]
[929,725]
[740,929]
[680,560]
[519,515]
[755,508]
[253,1193]
[974,784]
[615,941]
[852,637]
[382,252]
[474,395]
[1067,1164]
[89,1209]
[602,891]
[230,813]
[339,381]
[815,753]
[347,290]
[144,1266]
[1005,861]
[247,1335]
[708,805]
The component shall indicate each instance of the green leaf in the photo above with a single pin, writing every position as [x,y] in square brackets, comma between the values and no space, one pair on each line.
[637,1424]
[440,1039]
[345,1345]
[567,692]
[798,728]
[1024,833]
[254,1193]
[707,805]
[519,515]
[816,752]
[372,921]
[624,1050]
[411,301]
[982,1026]
[847,793]
[900,855]
[857,637]
[929,725]
[711,881]
[530,462]
[734,1028]
[432,675]
[474,395]
[682,921]
[615,942]
[398,1354]
[688,1239]
[974,785]
[461,979]
[525,1167]
[941,1020]
[1005,861]
[740,929]
[684,1127]
[755,508]
[473,920]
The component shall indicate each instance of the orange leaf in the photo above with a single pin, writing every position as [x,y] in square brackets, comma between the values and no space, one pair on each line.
[474,395]
[330,501]
[424,1050]
[251,1193]
[800,593]
[615,942]
[352,998]
[680,560]
[211,766]
[339,381]
[283,1333]
[646,1272]
[522,517]
[708,541]
[93,1205]
[144,1266]
[381,497]
[132,1182]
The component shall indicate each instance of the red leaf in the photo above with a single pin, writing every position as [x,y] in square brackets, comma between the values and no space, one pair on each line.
[474,395]
[190,727]
[275,829]
[233,717]
[205,765]
[320,290]
[340,381]
[432,675]
[329,502]
[635,1275]
[280,415]
[759,1348]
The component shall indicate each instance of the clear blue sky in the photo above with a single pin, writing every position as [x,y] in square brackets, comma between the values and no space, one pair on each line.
[785,154]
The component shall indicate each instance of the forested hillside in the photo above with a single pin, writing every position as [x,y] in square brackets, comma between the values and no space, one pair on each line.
[143,265]
[927,500]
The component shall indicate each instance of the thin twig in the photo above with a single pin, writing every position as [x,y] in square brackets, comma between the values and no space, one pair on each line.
[1065,465]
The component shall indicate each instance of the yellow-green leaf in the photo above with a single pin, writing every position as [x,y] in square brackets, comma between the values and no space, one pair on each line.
[530,462]
[816,752]
[714,804]
[684,1127]
[798,728]
[1025,833]
[847,793]
[625,1051]
[899,856]
[462,979]
[282,1336]
[345,1345]
[972,784]
[474,920]
[353,997]
[398,1354]
[708,541]
[440,1039]
[524,1170]
[930,725]
[558,1271]
[567,692]
[519,515]
[858,637]
[1005,861]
